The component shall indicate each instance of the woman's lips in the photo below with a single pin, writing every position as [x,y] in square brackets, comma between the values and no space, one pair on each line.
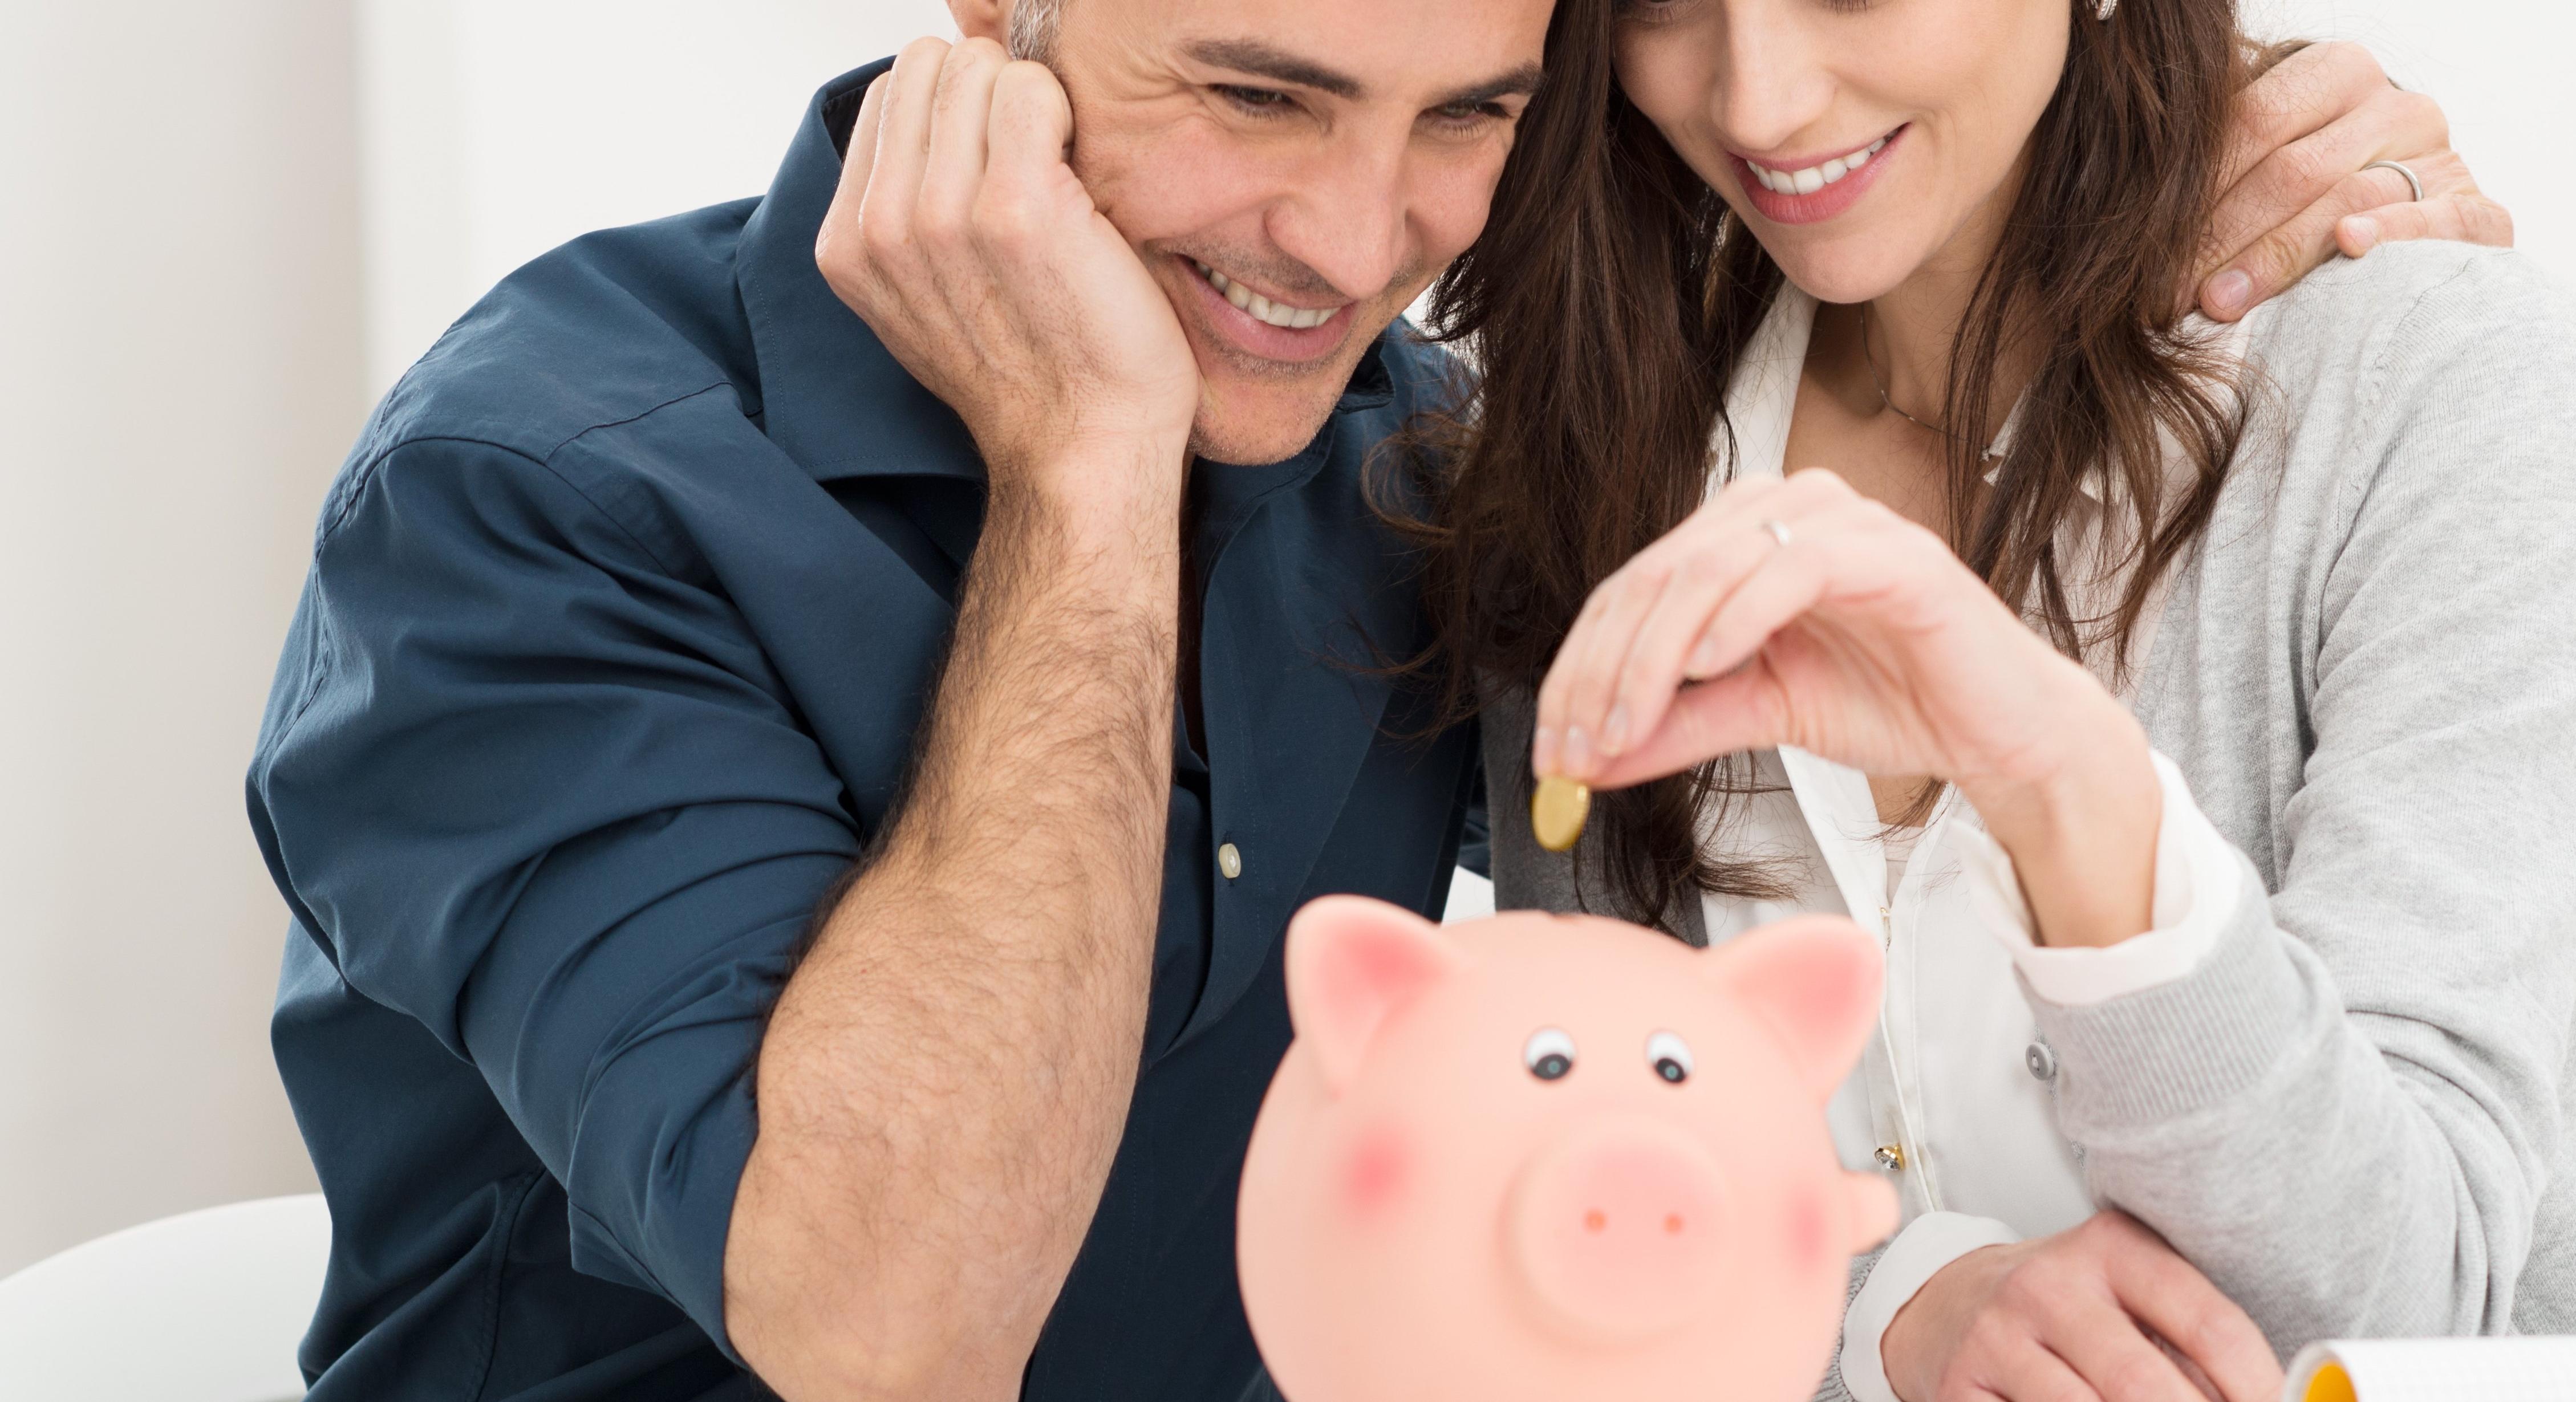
[1826,201]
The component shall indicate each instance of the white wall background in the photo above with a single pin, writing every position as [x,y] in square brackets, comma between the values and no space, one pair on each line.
[496,129]
[179,372]
[228,226]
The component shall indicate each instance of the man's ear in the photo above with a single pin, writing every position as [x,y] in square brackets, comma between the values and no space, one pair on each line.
[1815,981]
[1352,963]
[983,19]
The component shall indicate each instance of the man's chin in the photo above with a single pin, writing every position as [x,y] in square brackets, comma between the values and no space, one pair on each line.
[1253,430]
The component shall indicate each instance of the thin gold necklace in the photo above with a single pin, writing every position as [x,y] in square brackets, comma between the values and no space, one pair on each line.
[1881,386]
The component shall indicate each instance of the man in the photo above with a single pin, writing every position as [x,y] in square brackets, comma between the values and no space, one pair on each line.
[798,746]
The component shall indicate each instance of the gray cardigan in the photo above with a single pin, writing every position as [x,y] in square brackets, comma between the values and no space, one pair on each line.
[2354,1116]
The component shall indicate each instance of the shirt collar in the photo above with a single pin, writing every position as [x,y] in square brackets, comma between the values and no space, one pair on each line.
[832,396]
[1763,396]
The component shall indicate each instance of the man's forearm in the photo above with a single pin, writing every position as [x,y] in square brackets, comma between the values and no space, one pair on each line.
[945,1079]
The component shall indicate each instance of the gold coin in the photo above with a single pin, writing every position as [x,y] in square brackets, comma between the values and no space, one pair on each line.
[1557,810]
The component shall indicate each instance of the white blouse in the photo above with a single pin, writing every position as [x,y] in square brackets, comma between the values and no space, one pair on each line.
[1953,1098]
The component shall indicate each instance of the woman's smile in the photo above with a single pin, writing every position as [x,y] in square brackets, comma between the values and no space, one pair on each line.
[1807,189]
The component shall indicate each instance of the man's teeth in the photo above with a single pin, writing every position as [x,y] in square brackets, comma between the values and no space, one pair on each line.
[1261,308]
[1814,178]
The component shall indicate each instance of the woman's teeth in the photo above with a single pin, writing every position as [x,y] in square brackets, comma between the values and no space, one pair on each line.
[1261,308]
[1814,178]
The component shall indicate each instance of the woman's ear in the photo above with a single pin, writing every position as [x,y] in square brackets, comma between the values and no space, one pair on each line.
[983,19]
[1351,964]
[1814,980]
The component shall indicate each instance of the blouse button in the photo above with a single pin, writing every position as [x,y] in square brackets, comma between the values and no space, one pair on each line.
[1890,1157]
[2041,1061]
[1229,861]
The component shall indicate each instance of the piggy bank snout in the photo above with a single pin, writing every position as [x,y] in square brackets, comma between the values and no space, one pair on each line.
[1617,1229]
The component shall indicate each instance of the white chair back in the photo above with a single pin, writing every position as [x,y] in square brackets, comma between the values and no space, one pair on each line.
[203,1307]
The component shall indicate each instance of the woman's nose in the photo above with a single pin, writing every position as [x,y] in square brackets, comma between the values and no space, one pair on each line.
[1769,84]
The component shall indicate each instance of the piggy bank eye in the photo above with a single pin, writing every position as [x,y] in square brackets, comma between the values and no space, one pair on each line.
[1549,1053]
[1670,1056]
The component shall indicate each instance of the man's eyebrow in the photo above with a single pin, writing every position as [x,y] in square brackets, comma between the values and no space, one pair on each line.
[1262,61]
[1280,66]
[1519,82]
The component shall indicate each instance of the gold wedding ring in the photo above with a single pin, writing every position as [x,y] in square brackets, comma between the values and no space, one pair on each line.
[1557,810]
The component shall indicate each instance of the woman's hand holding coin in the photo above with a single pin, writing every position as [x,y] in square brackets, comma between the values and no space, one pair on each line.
[1798,612]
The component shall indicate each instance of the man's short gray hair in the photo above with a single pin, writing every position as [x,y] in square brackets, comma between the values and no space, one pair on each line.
[1033,26]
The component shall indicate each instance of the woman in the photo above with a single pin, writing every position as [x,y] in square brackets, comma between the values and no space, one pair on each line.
[2220,872]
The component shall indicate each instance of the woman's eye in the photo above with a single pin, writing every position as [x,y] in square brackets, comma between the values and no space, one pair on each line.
[1670,1056]
[1548,1054]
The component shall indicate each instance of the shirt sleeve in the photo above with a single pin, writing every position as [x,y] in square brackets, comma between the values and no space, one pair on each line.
[2195,887]
[544,795]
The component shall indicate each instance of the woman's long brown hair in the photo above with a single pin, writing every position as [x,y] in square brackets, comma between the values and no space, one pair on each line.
[1612,294]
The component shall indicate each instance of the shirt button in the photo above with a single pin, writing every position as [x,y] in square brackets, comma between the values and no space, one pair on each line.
[2041,1061]
[1229,861]
[1890,1157]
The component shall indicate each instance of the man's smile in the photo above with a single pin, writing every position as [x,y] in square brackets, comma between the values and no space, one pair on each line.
[1264,327]
[1263,309]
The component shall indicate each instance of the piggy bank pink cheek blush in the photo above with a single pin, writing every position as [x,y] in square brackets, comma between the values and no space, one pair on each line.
[1375,1171]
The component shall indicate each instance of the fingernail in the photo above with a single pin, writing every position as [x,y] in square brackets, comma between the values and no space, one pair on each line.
[2228,291]
[2364,233]
[1578,753]
[1703,660]
[1614,731]
[1543,750]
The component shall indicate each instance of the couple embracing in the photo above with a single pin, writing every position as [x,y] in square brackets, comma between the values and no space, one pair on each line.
[809,717]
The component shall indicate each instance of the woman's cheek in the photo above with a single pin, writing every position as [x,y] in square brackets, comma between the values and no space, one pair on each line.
[1665,73]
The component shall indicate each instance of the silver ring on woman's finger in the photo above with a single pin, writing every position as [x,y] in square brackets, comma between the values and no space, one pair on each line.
[2400,167]
[1779,532]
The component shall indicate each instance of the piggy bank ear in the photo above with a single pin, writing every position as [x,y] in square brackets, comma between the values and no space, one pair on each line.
[1351,963]
[1815,980]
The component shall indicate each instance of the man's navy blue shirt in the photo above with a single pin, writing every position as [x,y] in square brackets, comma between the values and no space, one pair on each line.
[621,620]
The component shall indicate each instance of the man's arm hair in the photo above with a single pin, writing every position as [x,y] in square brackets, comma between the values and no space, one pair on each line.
[946,1077]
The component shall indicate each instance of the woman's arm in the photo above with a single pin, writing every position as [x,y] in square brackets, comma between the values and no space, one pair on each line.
[2348,1114]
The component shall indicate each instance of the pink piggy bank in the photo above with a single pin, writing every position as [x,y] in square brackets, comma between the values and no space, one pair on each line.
[1556,1157]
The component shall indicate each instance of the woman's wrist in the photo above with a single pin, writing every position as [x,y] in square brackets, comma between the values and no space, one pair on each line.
[1929,1245]
[2082,832]
[1915,1349]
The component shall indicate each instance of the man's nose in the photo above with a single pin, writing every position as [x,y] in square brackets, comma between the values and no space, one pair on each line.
[1347,215]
